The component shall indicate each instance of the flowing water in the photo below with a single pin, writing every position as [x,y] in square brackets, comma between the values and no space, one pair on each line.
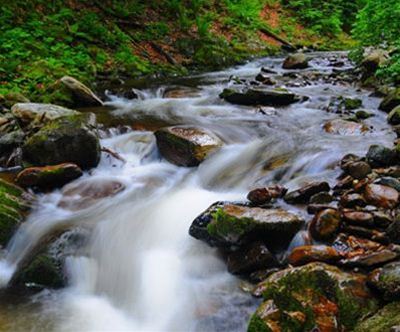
[136,268]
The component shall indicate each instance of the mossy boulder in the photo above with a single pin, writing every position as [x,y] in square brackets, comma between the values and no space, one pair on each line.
[48,177]
[387,281]
[314,296]
[265,97]
[231,224]
[352,103]
[70,139]
[391,101]
[385,320]
[43,271]
[381,156]
[296,61]
[36,112]
[14,205]
[394,116]
[186,145]
[9,99]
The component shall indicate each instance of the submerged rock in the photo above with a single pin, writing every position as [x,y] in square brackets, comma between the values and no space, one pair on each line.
[344,127]
[14,205]
[83,194]
[48,177]
[264,97]
[316,296]
[35,112]
[230,224]
[68,139]
[296,61]
[81,94]
[186,145]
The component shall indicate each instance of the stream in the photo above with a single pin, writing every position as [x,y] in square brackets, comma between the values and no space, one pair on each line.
[134,267]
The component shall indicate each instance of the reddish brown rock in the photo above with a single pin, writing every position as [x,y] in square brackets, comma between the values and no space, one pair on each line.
[313,253]
[303,195]
[368,233]
[381,196]
[345,128]
[48,177]
[325,224]
[352,200]
[261,196]
[359,218]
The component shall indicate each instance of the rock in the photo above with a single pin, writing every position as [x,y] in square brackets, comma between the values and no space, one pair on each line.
[316,296]
[14,205]
[68,139]
[381,156]
[12,98]
[344,127]
[315,208]
[182,92]
[48,177]
[265,79]
[11,141]
[381,219]
[34,112]
[386,319]
[352,200]
[394,116]
[42,271]
[303,195]
[387,281]
[391,101]
[372,59]
[83,194]
[367,233]
[264,97]
[358,170]
[325,224]
[352,103]
[363,115]
[230,224]
[393,231]
[359,218]
[186,145]
[381,196]
[82,95]
[253,257]
[389,182]
[313,253]
[262,196]
[295,61]
[321,198]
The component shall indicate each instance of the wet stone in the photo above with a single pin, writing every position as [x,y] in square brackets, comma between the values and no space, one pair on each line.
[368,233]
[313,253]
[296,61]
[262,196]
[352,200]
[359,218]
[323,197]
[387,281]
[253,257]
[325,224]
[358,170]
[381,156]
[390,182]
[303,195]
[381,196]
[381,219]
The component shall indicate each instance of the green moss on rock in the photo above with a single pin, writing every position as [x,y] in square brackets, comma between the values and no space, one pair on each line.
[383,321]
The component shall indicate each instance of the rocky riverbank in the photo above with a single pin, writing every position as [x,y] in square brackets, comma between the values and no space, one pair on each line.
[321,256]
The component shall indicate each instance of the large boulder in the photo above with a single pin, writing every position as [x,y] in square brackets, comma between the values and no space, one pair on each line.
[295,61]
[391,101]
[385,320]
[265,97]
[381,156]
[231,224]
[35,112]
[14,205]
[316,296]
[48,177]
[186,145]
[387,281]
[81,94]
[68,139]
[373,58]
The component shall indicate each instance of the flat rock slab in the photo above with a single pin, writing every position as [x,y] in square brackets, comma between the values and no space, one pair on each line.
[264,97]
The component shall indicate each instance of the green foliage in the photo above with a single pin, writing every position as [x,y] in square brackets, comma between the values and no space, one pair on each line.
[378,23]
